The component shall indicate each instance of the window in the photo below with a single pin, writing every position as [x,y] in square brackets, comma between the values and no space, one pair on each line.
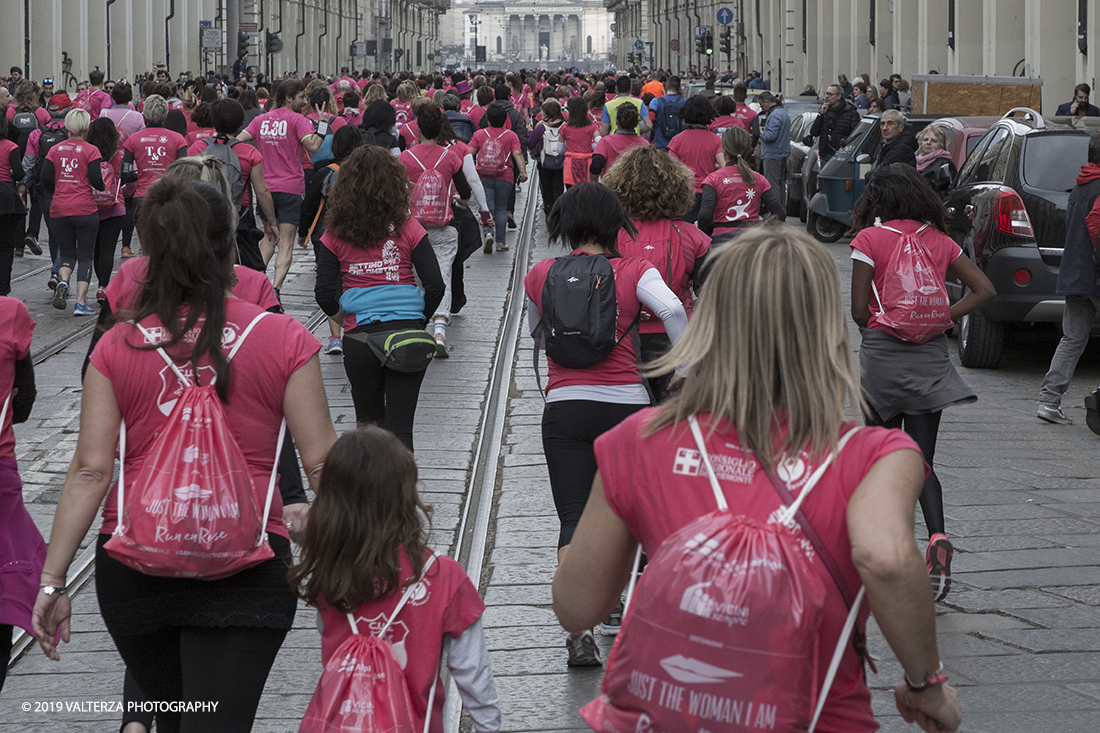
[589,44]
[969,174]
[1052,162]
[987,166]
[858,134]
[500,45]
[796,128]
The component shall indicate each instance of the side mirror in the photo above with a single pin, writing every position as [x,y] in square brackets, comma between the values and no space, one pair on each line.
[863,158]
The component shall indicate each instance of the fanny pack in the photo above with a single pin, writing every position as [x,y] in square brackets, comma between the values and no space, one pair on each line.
[407,350]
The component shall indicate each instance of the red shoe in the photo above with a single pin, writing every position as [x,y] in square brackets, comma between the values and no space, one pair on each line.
[938,556]
[127,253]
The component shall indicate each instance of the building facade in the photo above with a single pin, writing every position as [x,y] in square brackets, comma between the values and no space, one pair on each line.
[66,39]
[799,42]
[548,33]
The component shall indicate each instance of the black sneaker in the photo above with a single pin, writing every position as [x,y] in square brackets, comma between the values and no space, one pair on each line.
[511,222]
[613,623]
[31,243]
[1092,411]
[52,282]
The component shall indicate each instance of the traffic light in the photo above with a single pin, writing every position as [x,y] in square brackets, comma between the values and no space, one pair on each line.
[272,42]
[708,47]
[242,44]
[727,47]
[397,54]
[700,44]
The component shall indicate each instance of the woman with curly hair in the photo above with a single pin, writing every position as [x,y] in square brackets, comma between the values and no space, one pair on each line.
[365,265]
[655,191]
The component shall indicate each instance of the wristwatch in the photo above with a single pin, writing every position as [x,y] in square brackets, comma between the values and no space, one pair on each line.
[53,589]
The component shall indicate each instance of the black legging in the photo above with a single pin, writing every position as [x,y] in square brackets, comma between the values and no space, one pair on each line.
[11,238]
[105,243]
[382,396]
[569,430]
[5,651]
[76,237]
[551,183]
[128,224]
[923,429]
[203,664]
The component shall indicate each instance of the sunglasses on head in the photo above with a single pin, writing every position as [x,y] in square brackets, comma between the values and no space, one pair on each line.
[47,81]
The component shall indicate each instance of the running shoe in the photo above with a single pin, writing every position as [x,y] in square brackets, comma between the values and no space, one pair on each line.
[334,345]
[613,623]
[441,345]
[83,309]
[487,248]
[127,253]
[52,282]
[31,243]
[583,651]
[511,222]
[938,556]
[101,295]
[1092,411]
[502,245]
[60,294]
[1054,414]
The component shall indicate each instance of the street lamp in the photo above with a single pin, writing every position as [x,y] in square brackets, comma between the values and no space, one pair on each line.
[474,23]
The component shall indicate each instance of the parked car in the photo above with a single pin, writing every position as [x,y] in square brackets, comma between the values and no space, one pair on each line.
[840,180]
[1008,213]
[802,165]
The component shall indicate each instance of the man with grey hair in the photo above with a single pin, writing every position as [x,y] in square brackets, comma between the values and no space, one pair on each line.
[898,145]
[775,142]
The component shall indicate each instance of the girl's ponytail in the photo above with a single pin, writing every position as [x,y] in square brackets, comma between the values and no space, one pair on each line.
[737,146]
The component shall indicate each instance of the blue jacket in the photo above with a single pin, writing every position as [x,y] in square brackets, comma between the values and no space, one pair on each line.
[1063,110]
[1076,275]
[775,136]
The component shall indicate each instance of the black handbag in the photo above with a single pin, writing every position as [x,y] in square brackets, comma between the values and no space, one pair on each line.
[406,350]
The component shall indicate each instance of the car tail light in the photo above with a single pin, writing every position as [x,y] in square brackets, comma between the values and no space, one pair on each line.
[1022,277]
[1011,216]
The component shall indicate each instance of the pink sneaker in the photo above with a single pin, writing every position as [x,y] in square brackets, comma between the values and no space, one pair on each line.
[938,556]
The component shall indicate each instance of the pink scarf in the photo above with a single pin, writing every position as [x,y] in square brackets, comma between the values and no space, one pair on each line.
[926,159]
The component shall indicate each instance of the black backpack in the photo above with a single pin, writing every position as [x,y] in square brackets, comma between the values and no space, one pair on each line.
[221,150]
[50,136]
[22,125]
[668,117]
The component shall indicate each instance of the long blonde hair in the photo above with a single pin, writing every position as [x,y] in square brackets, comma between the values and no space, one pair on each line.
[203,168]
[767,340]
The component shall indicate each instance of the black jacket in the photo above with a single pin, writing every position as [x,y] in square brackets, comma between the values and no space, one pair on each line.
[902,149]
[834,127]
[1076,275]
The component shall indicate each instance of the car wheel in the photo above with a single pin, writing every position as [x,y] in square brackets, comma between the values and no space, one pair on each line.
[823,229]
[981,341]
[802,211]
[793,205]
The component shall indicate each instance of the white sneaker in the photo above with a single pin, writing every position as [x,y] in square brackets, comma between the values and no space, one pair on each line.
[1054,414]
[583,651]
[487,248]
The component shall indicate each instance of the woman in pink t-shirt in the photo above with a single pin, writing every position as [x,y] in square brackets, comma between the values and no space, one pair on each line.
[72,171]
[908,381]
[22,550]
[655,191]
[699,148]
[735,196]
[582,403]
[770,373]
[159,623]
[610,147]
[579,133]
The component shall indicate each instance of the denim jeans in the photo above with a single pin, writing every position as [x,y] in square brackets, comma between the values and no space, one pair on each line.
[1076,325]
[496,195]
[445,245]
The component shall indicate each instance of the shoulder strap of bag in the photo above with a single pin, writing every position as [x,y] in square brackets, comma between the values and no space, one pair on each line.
[4,412]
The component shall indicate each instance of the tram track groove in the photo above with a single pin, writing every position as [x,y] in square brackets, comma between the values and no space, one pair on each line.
[472,538]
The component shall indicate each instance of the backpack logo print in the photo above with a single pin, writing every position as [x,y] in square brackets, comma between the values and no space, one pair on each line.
[572,280]
[692,671]
[194,491]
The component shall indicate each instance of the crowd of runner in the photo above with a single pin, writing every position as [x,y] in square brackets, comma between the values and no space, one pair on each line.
[395,181]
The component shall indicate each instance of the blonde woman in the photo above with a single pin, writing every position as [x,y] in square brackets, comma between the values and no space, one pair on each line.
[373,92]
[934,160]
[770,369]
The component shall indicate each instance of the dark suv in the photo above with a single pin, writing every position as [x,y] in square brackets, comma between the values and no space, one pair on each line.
[1008,213]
